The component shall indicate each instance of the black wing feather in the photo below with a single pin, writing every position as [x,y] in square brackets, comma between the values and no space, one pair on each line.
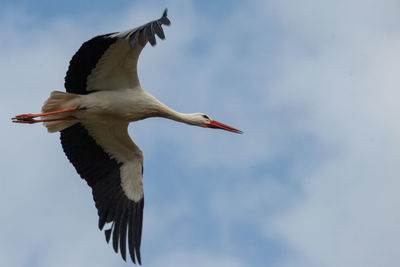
[142,37]
[124,225]
[159,30]
[117,225]
[113,206]
[131,235]
[108,233]
[150,35]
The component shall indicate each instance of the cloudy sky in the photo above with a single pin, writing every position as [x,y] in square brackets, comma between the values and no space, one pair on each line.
[314,180]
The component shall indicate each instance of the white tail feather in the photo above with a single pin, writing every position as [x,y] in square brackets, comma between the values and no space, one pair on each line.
[57,101]
[56,126]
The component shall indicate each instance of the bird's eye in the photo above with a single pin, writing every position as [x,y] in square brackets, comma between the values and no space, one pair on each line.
[206,117]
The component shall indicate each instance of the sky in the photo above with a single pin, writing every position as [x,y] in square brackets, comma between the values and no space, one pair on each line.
[313,181]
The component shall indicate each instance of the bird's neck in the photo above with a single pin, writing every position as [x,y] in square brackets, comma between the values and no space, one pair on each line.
[154,108]
[164,111]
[169,113]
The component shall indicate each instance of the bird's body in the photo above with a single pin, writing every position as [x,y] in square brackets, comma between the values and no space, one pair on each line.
[122,104]
[103,95]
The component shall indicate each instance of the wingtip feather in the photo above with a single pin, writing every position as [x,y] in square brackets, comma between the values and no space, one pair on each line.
[108,234]
[164,19]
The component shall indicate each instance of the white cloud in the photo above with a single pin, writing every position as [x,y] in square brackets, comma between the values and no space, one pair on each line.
[345,80]
[196,258]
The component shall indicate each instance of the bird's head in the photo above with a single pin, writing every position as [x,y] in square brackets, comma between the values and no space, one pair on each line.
[204,120]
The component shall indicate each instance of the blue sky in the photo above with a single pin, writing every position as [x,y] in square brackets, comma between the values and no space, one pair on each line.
[313,181]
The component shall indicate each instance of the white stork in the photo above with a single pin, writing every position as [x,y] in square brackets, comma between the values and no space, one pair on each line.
[103,95]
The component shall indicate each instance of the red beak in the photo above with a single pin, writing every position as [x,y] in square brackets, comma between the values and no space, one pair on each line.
[218,125]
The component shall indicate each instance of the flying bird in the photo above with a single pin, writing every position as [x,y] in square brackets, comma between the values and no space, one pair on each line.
[103,95]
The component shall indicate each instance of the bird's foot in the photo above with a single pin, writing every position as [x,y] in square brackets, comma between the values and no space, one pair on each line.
[30,120]
[24,118]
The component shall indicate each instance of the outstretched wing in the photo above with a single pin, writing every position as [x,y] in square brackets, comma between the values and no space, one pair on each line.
[104,155]
[109,62]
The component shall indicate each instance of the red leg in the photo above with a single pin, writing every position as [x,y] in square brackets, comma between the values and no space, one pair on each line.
[31,116]
[28,118]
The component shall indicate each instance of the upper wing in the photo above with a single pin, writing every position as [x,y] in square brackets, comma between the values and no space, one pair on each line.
[109,61]
[112,165]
